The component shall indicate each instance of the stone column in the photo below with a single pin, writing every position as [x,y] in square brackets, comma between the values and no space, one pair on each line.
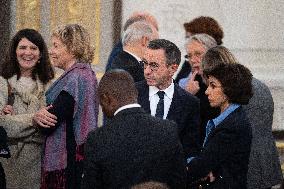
[4,27]
[117,9]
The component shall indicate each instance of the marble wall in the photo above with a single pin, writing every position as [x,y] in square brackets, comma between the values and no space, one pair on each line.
[5,18]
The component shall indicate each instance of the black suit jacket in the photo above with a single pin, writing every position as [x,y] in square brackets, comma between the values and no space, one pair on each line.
[226,153]
[128,63]
[184,110]
[134,147]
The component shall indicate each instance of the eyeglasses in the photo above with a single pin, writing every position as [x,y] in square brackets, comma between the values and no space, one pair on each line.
[153,66]
[196,54]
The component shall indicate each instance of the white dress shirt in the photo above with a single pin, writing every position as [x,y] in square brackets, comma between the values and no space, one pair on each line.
[154,99]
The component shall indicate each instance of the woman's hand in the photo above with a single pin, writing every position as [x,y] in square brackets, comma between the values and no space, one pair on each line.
[7,109]
[45,119]
[192,86]
[210,177]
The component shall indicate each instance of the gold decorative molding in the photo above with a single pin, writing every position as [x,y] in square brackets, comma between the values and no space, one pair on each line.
[97,31]
[28,14]
[84,12]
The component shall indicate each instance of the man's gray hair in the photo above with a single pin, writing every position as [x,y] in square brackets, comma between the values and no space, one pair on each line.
[206,40]
[132,20]
[136,31]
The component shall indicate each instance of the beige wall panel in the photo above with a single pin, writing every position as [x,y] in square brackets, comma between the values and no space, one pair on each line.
[28,14]
[84,12]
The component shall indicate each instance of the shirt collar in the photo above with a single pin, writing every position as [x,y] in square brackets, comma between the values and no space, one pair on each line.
[225,114]
[135,105]
[136,57]
[169,91]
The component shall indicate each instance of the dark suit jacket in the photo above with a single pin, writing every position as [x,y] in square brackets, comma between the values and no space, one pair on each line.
[115,51]
[184,110]
[133,147]
[226,153]
[128,63]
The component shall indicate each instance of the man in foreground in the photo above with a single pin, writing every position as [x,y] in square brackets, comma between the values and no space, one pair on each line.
[133,147]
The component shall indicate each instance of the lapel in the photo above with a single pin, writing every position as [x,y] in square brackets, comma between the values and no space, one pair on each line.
[143,98]
[226,123]
[176,105]
[133,61]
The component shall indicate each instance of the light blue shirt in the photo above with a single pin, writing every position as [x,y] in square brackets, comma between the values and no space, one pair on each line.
[183,82]
[217,122]
[220,118]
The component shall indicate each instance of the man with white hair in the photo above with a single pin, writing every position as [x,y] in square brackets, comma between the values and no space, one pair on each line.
[134,17]
[134,41]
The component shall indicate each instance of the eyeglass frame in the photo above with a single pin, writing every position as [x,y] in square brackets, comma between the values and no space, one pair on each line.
[153,66]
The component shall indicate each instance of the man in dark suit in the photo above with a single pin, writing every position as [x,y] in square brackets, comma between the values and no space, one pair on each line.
[135,40]
[133,147]
[134,17]
[161,60]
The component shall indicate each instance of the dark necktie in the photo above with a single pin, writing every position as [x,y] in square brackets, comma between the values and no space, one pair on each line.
[160,105]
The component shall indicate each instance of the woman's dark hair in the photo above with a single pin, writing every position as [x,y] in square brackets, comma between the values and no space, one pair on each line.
[205,24]
[235,80]
[43,69]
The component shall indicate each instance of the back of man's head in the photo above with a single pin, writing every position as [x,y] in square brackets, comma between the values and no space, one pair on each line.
[136,31]
[118,87]
[141,16]
[132,20]
[172,52]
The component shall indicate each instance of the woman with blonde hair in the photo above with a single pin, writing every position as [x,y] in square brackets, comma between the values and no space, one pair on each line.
[72,110]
